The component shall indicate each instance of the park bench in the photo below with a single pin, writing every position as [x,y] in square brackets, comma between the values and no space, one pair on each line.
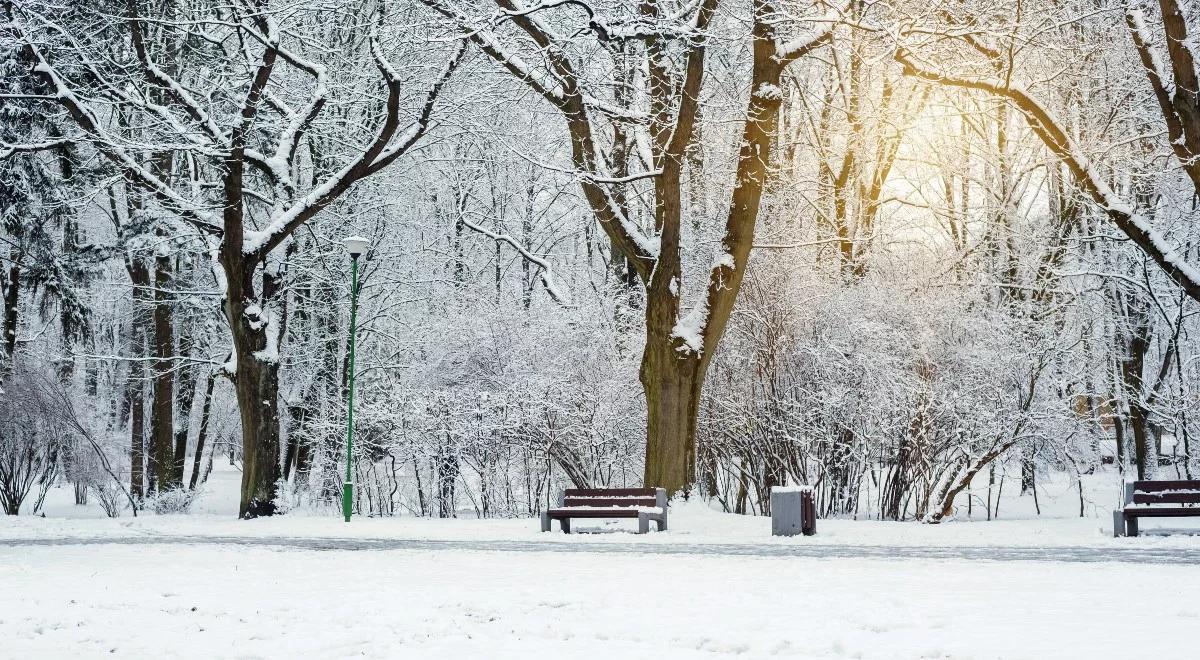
[1155,499]
[645,504]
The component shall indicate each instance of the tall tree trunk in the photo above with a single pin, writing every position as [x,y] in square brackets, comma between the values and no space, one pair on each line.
[12,296]
[1002,238]
[139,277]
[1132,369]
[1121,459]
[202,432]
[256,378]
[447,477]
[672,383]
[1028,473]
[187,392]
[257,387]
[162,418]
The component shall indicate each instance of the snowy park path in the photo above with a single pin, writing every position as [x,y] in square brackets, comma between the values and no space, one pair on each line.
[716,586]
[799,549]
[302,597]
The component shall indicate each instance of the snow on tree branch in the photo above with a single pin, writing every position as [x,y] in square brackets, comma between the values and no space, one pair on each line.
[1134,225]
[385,148]
[545,272]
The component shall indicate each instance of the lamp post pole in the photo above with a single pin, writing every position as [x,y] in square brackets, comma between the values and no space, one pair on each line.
[355,246]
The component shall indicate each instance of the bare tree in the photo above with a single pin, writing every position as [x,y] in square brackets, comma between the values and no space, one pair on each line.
[679,345]
[263,97]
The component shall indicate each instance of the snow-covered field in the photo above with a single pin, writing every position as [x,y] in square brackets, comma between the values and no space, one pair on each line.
[204,585]
[230,601]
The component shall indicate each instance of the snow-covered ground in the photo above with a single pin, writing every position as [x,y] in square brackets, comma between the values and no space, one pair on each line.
[716,585]
[228,601]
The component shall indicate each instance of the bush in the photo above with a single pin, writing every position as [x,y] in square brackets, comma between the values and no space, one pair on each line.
[30,439]
[176,500]
[112,497]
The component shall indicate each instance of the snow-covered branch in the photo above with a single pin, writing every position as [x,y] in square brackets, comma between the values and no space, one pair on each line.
[1134,225]
[7,150]
[87,120]
[545,272]
[384,149]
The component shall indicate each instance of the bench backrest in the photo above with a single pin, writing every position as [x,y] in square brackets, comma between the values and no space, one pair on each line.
[624,497]
[1163,492]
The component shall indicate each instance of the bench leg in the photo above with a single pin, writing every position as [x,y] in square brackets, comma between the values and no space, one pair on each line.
[565,523]
[1118,524]
[1131,526]
[643,523]
[662,523]
[545,522]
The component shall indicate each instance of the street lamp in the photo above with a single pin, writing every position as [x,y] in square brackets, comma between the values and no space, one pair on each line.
[356,246]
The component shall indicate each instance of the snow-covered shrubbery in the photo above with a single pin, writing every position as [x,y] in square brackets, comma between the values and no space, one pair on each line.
[31,440]
[886,398]
[175,500]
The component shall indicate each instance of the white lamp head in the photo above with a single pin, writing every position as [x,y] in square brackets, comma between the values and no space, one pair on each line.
[356,245]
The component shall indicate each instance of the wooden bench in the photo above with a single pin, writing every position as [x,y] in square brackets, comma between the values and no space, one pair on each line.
[645,504]
[1155,499]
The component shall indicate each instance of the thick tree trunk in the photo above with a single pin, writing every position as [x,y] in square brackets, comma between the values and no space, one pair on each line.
[256,378]
[257,385]
[162,419]
[1141,444]
[137,432]
[672,383]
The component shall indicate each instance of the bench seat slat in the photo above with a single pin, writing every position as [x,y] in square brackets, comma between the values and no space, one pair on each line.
[1162,512]
[1168,497]
[1159,486]
[609,501]
[601,512]
[609,492]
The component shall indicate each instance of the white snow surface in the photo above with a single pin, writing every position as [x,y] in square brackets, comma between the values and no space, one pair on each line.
[205,585]
[790,489]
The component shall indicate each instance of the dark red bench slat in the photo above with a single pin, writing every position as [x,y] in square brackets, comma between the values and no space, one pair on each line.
[609,492]
[592,513]
[607,501]
[1162,512]
[1158,486]
[1189,497]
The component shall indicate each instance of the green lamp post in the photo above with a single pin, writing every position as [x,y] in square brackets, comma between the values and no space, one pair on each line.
[356,246]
